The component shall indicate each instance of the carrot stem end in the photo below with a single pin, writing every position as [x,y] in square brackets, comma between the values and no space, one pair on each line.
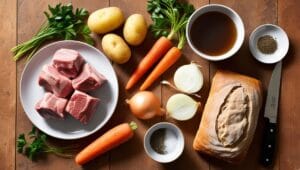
[133,125]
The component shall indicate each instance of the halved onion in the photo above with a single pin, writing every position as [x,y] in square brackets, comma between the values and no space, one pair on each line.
[188,78]
[181,107]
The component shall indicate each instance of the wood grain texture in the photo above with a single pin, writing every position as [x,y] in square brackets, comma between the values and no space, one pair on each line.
[23,18]
[289,134]
[132,154]
[103,161]
[30,18]
[8,28]
[190,159]
[253,14]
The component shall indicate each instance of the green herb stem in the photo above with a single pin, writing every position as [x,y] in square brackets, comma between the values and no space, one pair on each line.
[182,39]
[171,35]
[62,23]
[39,145]
[59,152]
[169,19]
[32,44]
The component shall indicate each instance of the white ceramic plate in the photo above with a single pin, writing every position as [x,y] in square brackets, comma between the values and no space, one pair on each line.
[31,92]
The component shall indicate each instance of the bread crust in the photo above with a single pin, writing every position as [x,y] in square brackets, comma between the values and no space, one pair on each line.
[208,139]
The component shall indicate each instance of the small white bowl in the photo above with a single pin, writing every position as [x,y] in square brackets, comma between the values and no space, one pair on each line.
[174,137]
[278,34]
[232,15]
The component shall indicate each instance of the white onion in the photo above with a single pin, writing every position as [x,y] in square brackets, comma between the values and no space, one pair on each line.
[188,78]
[181,107]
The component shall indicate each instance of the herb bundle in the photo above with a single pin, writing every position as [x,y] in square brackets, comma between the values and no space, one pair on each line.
[62,23]
[40,145]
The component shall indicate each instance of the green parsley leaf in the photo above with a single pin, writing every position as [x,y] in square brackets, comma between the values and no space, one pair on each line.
[21,142]
[62,23]
[39,145]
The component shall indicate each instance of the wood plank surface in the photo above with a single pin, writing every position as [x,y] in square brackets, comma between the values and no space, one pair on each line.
[8,90]
[102,162]
[189,159]
[253,14]
[23,18]
[289,133]
[30,18]
[132,153]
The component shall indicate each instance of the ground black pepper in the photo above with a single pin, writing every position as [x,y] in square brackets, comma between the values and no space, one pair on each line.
[157,141]
[267,44]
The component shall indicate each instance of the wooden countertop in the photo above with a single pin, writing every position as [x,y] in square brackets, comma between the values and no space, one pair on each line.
[20,20]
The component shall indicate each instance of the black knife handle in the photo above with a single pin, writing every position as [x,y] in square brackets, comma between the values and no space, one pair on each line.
[269,140]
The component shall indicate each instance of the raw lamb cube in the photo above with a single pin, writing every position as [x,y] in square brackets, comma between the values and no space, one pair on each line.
[51,106]
[82,106]
[54,82]
[68,62]
[89,79]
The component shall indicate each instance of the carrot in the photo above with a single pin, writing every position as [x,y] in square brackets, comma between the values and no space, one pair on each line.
[167,61]
[161,46]
[106,142]
[168,23]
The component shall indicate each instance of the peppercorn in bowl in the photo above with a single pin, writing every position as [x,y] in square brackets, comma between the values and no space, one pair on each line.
[268,43]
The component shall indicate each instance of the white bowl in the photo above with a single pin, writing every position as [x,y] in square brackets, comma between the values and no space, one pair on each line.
[175,137]
[231,14]
[278,34]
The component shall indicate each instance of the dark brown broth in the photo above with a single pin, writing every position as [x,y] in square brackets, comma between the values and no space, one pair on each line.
[213,33]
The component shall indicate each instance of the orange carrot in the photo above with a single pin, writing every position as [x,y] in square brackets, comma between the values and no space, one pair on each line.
[106,142]
[167,61]
[161,46]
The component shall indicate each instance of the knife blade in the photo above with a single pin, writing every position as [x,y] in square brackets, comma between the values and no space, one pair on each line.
[270,116]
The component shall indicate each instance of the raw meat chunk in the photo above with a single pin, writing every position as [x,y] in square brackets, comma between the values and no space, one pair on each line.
[68,62]
[51,106]
[89,79]
[81,106]
[54,82]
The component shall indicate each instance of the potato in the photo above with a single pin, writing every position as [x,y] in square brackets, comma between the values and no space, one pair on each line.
[135,29]
[116,48]
[105,20]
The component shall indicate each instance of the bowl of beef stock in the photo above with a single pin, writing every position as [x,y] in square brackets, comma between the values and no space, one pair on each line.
[215,32]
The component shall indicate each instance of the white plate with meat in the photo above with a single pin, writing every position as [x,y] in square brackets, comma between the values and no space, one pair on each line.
[69,127]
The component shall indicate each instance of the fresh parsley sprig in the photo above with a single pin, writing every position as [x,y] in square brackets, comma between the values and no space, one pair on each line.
[40,145]
[21,142]
[62,23]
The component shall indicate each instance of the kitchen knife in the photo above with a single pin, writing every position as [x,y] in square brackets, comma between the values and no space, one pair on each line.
[270,116]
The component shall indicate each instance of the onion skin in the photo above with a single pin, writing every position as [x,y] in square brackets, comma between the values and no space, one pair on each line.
[145,105]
